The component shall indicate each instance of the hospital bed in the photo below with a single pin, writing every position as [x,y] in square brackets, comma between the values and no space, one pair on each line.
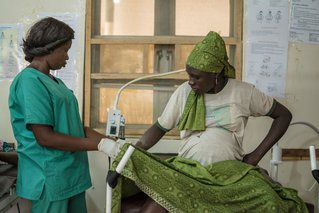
[119,168]
[8,197]
[223,189]
[274,159]
[9,200]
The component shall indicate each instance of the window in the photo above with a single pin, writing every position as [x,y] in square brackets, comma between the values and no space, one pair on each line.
[126,39]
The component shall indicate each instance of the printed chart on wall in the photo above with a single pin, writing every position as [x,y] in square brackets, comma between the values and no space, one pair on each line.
[266,45]
[304,21]
[10,51]
[68,73]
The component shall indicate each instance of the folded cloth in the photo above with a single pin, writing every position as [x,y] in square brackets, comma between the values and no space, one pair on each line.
[5,146]
[183,185]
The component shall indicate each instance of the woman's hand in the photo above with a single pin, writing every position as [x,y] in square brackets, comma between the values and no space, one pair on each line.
[281,119]
[251,159]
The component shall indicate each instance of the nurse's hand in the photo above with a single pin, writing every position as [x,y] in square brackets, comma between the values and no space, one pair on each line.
[110,147]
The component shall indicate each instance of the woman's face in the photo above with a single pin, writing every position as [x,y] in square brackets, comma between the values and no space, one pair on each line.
[58,58]
[201,82]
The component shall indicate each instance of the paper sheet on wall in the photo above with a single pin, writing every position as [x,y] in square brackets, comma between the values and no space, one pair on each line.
[304,21]
[266,45]
[69,73]
[10,51]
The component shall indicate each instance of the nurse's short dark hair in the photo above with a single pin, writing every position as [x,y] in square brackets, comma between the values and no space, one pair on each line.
[44,36]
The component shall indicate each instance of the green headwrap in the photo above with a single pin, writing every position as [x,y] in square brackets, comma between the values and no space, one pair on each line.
[209,55]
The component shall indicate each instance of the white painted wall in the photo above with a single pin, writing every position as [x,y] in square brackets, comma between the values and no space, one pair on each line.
[302,98]
[26,13]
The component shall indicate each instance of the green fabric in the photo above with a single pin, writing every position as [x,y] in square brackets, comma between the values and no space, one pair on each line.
[36,99]
[193,117]
[183,185]
[210,55]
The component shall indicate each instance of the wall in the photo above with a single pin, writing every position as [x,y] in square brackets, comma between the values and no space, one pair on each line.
[301,98]
[26,13]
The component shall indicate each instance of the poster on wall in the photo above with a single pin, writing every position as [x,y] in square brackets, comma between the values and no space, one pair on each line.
[304,21]
[68,73]
[10,51]
[266,45]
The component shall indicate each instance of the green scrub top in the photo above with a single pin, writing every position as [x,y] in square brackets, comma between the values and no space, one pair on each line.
[35,98]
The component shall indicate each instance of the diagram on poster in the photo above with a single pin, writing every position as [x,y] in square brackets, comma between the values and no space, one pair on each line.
[10,51]
[266,45]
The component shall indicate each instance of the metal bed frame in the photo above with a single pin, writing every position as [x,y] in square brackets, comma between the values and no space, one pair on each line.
[8,201]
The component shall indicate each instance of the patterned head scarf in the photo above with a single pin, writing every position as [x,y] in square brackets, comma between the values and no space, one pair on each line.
[209,55]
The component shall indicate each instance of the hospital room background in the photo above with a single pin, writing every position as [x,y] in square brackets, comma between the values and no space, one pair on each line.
[298,90]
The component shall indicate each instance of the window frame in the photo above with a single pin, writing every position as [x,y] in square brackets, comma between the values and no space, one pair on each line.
[93,38]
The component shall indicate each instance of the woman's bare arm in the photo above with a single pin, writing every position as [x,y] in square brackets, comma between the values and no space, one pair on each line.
[45,136]
[150,137]
[282,117]
[91,133]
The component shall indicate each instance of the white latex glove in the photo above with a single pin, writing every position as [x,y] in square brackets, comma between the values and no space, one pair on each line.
[110,147]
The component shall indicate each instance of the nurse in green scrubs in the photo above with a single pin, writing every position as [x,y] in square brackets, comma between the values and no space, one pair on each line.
[53,170]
